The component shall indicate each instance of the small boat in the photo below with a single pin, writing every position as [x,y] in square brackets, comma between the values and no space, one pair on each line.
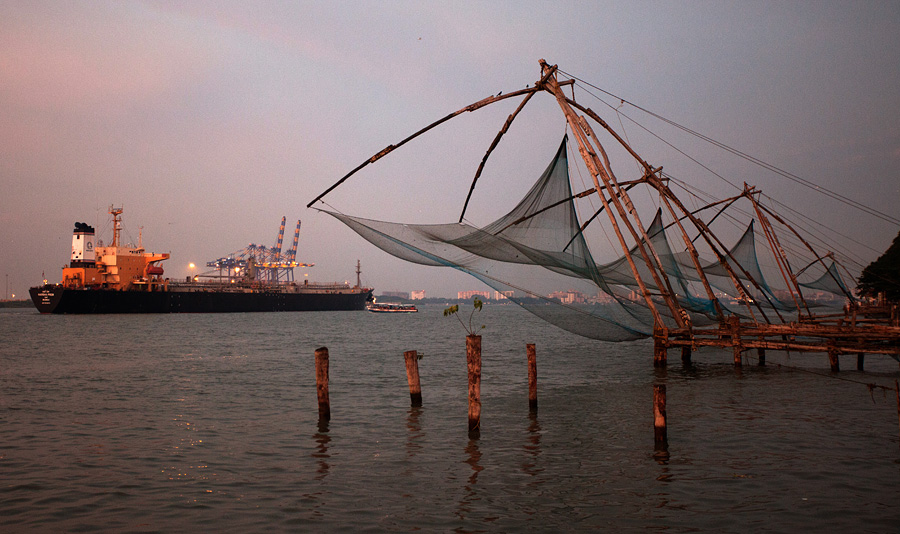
[391,308]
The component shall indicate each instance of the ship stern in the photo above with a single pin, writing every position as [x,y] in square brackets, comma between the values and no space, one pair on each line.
[46,298]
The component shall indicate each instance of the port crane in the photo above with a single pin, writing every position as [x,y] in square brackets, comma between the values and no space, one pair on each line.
[261,263]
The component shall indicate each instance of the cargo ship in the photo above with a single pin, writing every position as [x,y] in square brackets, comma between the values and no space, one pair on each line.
[127,279]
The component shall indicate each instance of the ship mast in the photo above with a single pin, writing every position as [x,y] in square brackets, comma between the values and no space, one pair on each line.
[117,224]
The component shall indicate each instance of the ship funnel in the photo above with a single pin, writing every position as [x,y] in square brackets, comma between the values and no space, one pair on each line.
[82,245]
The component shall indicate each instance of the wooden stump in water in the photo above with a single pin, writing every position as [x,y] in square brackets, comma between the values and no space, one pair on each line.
[660,436]
[412,376]
[660,342]
[322,383]
[532,377]
[734,325]
[833,359]
[897,389]
[473,361]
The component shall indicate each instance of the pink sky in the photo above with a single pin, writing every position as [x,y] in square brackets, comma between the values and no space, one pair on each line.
[209,121]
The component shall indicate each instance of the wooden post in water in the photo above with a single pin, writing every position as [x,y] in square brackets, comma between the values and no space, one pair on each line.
[860,358]
[532,377]
[735,327]
[761,357]
[686,356]
[412,376]
[660,339]
[322,383]
[897,388]
[473,361]
[833,358]
[660,436]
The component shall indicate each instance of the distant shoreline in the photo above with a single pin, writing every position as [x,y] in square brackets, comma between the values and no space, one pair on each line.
[24,303]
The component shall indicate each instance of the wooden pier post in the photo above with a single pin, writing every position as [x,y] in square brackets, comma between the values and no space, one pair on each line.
[897,389]
[532,377]
[473,361]
[322,383]
[660,436]
[734,326]
[660,342]
[833,358]
[761,357]
[412,376]
[686,356]
[860,358]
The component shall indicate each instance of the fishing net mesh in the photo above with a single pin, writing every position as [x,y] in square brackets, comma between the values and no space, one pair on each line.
[539,246]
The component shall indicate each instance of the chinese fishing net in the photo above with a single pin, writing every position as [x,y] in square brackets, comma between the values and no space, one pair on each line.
[539,247]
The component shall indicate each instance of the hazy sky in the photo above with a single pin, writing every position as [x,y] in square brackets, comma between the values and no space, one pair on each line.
[209,121]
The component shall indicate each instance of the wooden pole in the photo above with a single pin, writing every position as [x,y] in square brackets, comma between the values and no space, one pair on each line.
[833,358]
[473,361]
[660,437]
[761,357]
[897,389]
[735,327]
[860,358]
[660,337]
[322,383]
[686,356]
[412,376]
[532,377]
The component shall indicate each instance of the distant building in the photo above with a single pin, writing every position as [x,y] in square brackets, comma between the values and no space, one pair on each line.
[398,294]
[568,297]
[417,295]
[467,295]
[503,295]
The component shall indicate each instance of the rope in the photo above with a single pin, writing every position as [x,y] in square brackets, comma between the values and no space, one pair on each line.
[768,166]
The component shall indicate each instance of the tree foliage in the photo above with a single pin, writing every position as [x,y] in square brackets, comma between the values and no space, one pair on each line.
[883,274]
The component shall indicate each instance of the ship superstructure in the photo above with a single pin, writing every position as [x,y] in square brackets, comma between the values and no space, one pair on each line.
[114,267]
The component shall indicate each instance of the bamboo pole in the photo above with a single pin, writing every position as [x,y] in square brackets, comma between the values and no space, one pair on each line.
[808,246]
[412,377]
[656,267]
[700,225]
[532,377]
[595,173]
[494,144]
[780,257]
[322,383]
[473,362]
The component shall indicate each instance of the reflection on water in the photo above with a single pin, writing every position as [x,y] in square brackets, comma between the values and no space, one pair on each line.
[470,493]
[414,435]
[532,449]
[322,440]
[99,440]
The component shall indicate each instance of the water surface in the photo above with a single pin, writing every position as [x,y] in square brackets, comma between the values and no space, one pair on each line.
[199,422]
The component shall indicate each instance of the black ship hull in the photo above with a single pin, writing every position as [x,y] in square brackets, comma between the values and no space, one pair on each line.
[56,299]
